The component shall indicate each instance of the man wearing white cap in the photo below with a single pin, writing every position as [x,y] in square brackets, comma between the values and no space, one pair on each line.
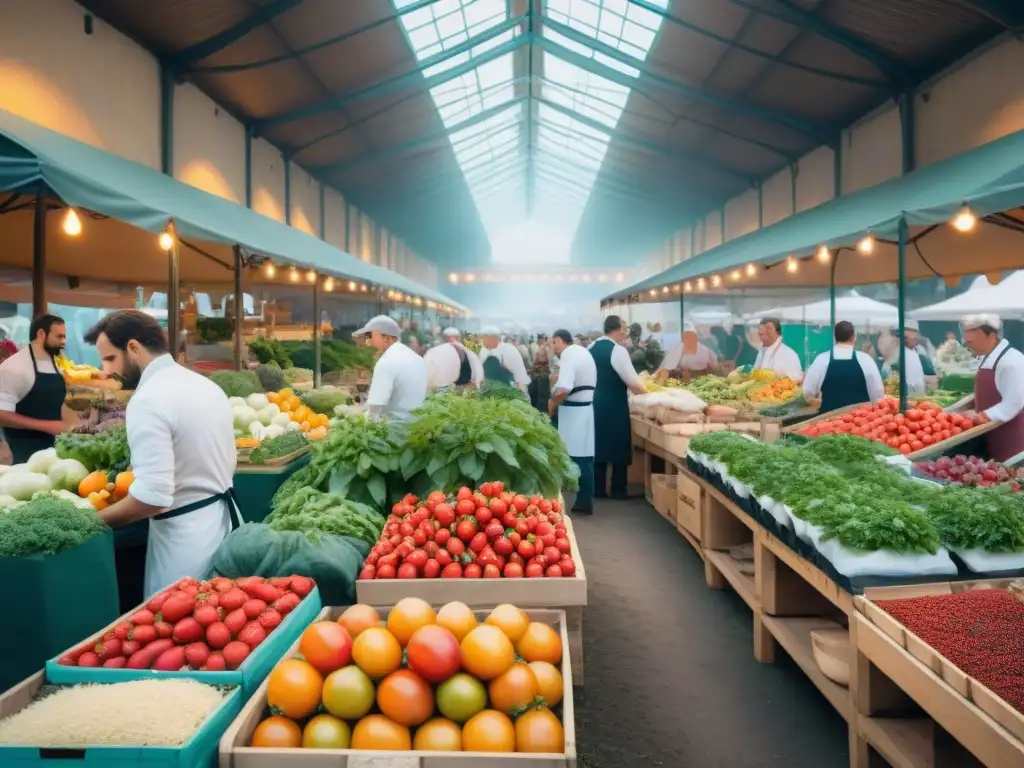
[451,364]
[399,382]
[501,361]
[998,385]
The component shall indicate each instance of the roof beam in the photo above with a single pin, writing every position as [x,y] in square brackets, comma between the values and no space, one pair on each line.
[413,77]
[547,161]
[791,13]
[181,60]
[422,192]
[799,125]
[1009,13]
[772,57]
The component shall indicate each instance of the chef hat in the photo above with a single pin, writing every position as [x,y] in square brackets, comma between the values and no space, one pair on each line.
[490,330]
[911,325]
[451,333]
[971,322]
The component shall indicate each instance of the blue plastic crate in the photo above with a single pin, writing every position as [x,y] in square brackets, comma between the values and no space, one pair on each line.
[249,676]
[198,752]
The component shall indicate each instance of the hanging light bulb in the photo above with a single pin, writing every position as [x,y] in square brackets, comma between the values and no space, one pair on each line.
[586,278]
[965,220]
[351,285]
[453,278]
[701,284]
[470,277]
[665,289]
[687,286]
[676,287]
[716,281]
[270,270]
[751,270]
[329,284]
[619,277]
[72,225]
[293,275]
[166,241]
[823,255]
[792,265]
[653,292]
[363,288]
[311,276]
[866,246]
[736,275]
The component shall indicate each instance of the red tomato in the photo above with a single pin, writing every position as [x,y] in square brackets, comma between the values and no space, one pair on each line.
[433,653]
[534,571]
[464,493]
[432,569]
[386,572]
[513,571]
[526,549]
[452,571]
[407,571]
[568,566]
[472,571]
[466,529]
[444,515]
[483,515]
[455,546]
[463,508]
[492,571]
[443,557]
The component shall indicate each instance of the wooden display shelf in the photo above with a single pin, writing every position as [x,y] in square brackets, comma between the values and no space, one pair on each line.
[903,742]
[721,569]
[794,635]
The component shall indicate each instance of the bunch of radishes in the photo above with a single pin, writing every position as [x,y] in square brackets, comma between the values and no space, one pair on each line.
[974,471]
[211,625]
[488,533]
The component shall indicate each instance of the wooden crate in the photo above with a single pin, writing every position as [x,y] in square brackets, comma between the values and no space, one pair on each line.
[688,509]
[641,427]
[235,752]
[663,489]
[937,449]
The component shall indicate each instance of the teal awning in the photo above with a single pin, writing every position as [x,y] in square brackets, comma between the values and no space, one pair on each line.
[989,178]
[92,179]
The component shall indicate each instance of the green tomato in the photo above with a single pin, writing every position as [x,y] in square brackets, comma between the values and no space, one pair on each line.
[348,693]
[460,697]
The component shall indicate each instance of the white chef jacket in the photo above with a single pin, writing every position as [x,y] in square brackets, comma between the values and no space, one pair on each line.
[576,423]
[510,358]
[444,366]
[621,363]
[780,358]
[816,373]
[399,382]
[182,443]
[700,360]
[1009,381]
[17,377]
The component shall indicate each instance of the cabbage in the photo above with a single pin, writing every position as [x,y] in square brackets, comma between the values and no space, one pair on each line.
[233,401]
[293,426]
[267,414]
[7,501]
[257,400]
[66,474]
[22,485]
[257,430]
[281,420]
[41,461]
[274,430]
[243,415]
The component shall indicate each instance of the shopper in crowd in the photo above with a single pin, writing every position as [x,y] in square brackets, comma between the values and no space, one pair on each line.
[451,364]
[32,391]
[573,401]
[691,358]
[502,361]
[182,443]
[399,382]
[998,385]
[844,375]
[775,355]
[613,432]
[540,382]
[920,345]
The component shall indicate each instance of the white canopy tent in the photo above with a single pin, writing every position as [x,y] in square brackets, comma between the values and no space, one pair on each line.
[857,309]
[1005,299]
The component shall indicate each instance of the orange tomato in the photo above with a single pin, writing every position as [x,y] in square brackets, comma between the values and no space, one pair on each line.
[514,689]
[286,392]
[326,645]
[301,413]
[377,652]
[550,685]
[408,615]
[304,426]
[539,731]
[295,402]
[487,652]
[540,643]
[285,406]
[358,618]
[294,688]
[122,483]
[489,731]
[510,620]
[457,618]
[326,732]
[273,397]
[405,697]
[377,732]
[438,735]
[278,732]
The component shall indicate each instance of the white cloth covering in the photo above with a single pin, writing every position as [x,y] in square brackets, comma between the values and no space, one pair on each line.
[444,366]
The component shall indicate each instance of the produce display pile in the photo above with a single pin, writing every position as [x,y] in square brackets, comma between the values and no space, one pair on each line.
[424,680]
[263,416]
[107,451]
[837,483]
[760,387]
[47,525]
[335,355]
[316,514]
[489,533]
[920,427]
[979,631]
[211,625]
[972,470]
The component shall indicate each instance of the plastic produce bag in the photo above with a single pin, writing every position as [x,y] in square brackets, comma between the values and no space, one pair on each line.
[255,549]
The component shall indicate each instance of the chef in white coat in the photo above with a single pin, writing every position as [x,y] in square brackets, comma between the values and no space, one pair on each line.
[573,400]
[502,361]
[452,364]
[774,354]
[182,443]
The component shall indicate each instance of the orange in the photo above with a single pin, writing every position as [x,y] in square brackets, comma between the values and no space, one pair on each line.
[457,618]
[408,615]
[278,732]
[358,618]
[286,392]
[405,697]
[285,406]
[303,425]
[540,642]
[550,685]
[510,620]
[377,732]
[487,652]
[438,735]
[301,413]
[377,652]
[294,688]
[489,731]
[513,690]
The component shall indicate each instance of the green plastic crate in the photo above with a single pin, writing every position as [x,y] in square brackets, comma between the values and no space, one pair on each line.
[250,675]
[198,752]
[53,602]
[255,487]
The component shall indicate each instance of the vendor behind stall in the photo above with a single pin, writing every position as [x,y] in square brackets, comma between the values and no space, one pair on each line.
[998,385]
[573,401]
[844,375]
[774,354]
[399,383]
[502,361]
[691,358]
[32,391]
[451,364]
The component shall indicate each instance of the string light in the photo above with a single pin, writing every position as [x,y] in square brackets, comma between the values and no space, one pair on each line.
[311,276]
[715,281]
[736,275]
[72,225]
[751,270]
[586,278]
[363,288]
[665,289]
[329,284]
[792,265]
[653,292]
[269,270]
[293,275]
[470,277]
[687,286]
[619,277]
[166,241]
[676,287]
[351,285]
[453,278]
[866,246]
[602,278]
[965,220]
[823,255]
[701,284]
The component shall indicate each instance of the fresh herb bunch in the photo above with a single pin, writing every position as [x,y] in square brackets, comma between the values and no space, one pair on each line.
[107,450]
[214,329]
[454,441]
[46,525]
[270,350]
[316,513]
[499,390]
[979,518]
[309,476]
[276,447]
[847,449]
[360,457]
[335,355]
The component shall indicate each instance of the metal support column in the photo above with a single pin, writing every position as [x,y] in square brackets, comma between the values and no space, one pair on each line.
[832,291]
[316,332]
[760,205]
[287,189]
[907,131]
[239,309]
[792,184]
[682,312]
[721,221]
[248,167]
[323,214]
[902,307]
[39,255]
[166,121]
[173,293]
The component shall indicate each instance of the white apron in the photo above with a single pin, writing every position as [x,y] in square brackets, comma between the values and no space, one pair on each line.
[183,543]
[576,422]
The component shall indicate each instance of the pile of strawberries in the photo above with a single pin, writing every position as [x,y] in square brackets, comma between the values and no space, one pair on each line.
[488,533]
[211,625]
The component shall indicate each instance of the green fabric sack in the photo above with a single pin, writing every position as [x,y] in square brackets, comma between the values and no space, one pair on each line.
[255,549]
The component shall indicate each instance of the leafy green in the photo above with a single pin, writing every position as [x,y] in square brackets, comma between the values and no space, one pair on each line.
[335,355]
[270,350]
[107,450]
[237,383]
[271,377]
[314,512]
[46,525]
[276,447]
[362,459]
[979,518]
[293,375]
[214,329]
[499,390]
[325,399]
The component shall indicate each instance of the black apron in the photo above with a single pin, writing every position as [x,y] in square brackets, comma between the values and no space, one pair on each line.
[495,371]
[234,508]
[45,402]
[613,433]
[465,369]
[844,384]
